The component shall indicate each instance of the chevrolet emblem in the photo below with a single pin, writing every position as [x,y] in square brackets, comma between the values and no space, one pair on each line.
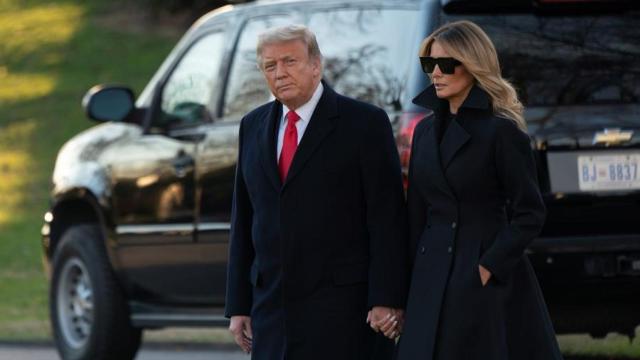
[612,136]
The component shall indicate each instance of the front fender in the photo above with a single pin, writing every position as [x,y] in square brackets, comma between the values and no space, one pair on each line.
[76,205]
[86,176]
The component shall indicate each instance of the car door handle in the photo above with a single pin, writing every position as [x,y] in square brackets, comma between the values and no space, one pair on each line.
[182,164]
[189,137]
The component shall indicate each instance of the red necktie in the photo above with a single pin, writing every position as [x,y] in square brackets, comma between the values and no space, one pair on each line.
[289,144]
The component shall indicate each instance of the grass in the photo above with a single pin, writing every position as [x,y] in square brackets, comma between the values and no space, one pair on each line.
[51,52]
[613,346]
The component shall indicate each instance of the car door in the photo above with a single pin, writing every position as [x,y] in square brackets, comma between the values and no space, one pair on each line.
[218,151]
[154,181]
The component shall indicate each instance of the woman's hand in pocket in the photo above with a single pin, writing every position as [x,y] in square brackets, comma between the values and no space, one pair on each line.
[485,275]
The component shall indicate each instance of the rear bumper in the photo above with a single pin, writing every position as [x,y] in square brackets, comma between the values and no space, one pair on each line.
[586,258]
[585,244]
[568,262]
[590,283]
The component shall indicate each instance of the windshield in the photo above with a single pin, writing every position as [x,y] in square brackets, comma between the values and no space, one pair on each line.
[364,52]
[567,60]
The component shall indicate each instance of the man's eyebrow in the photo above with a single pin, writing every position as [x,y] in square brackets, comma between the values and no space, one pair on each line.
[275,60]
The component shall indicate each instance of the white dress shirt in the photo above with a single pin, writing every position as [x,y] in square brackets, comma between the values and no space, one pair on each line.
[305,112]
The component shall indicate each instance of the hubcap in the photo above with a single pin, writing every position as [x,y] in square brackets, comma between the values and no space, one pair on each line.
[75,303]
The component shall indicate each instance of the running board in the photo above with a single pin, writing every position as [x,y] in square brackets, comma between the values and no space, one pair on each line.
[155,316]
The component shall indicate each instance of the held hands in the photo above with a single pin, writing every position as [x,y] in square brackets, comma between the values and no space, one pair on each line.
[485,275]
[389,321]
[240,327]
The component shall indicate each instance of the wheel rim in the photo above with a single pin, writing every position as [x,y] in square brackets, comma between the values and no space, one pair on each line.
[75,303]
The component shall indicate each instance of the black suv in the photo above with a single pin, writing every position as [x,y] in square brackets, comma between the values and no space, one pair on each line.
[137,233]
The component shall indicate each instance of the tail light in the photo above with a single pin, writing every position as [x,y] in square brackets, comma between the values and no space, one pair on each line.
[408,122]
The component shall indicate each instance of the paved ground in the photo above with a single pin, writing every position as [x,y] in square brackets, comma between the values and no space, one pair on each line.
[169,352]
[26,352]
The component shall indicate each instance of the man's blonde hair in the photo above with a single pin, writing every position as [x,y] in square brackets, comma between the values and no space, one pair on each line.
[289,33]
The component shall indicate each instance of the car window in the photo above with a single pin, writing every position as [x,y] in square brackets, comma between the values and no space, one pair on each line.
[247,88]
[567,60]
[367,52]
[186,96]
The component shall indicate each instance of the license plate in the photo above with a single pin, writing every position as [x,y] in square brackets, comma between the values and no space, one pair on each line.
[608,172]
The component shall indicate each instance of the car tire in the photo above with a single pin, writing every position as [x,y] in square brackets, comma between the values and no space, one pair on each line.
[89,314]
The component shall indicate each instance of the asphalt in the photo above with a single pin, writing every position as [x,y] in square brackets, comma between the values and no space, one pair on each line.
[45,351]
[167,351]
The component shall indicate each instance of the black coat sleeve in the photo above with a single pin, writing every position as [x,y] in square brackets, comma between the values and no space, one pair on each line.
[241,252]
[385,214]
[517,175]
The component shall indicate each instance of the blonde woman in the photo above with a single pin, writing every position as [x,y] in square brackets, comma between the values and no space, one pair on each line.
[473,293]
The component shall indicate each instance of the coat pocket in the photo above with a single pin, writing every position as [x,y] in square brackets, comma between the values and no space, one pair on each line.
[349,274]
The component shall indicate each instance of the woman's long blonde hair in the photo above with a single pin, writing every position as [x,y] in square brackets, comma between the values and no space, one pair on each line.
[469,44]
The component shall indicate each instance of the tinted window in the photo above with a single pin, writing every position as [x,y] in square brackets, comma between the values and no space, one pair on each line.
[564,60]
[186,97]
[367,52]
[247,88]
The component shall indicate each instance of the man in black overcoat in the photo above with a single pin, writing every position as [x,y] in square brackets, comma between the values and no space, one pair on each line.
[318,221]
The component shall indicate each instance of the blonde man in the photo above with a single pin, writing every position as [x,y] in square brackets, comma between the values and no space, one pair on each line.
[318,223]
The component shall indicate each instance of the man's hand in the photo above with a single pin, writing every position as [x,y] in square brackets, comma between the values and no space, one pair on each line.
[389,321]
[485,275]
[240,327]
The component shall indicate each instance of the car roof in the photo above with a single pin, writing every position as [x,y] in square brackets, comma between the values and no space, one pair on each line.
[273,3]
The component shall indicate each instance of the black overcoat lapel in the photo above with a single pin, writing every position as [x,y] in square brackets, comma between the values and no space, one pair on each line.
[432,155]
[454,138]
[457,135]
[441,154]
[267,139]
[322,122]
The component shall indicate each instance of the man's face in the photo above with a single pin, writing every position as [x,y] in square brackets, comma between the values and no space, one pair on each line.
[291,74]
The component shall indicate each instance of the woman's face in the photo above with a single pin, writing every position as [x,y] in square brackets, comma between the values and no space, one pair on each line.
[453,87]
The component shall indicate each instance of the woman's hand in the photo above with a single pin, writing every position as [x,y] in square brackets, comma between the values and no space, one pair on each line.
[485,275]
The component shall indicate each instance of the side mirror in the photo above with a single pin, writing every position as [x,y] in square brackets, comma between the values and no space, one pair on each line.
[108,103]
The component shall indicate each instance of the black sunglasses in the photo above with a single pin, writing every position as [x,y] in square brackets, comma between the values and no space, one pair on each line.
[446,64]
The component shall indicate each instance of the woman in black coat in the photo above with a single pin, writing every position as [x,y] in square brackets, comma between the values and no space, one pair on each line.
[474,294]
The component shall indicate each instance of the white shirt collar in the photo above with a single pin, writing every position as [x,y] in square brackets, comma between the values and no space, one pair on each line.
[305,111]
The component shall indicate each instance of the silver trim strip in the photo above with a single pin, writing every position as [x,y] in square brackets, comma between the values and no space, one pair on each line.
[154,229]
[214,226]
[165,228]
[178,319]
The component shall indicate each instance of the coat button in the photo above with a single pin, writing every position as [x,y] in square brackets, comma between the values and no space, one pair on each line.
[453,225]
[450,249]
[422,250]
